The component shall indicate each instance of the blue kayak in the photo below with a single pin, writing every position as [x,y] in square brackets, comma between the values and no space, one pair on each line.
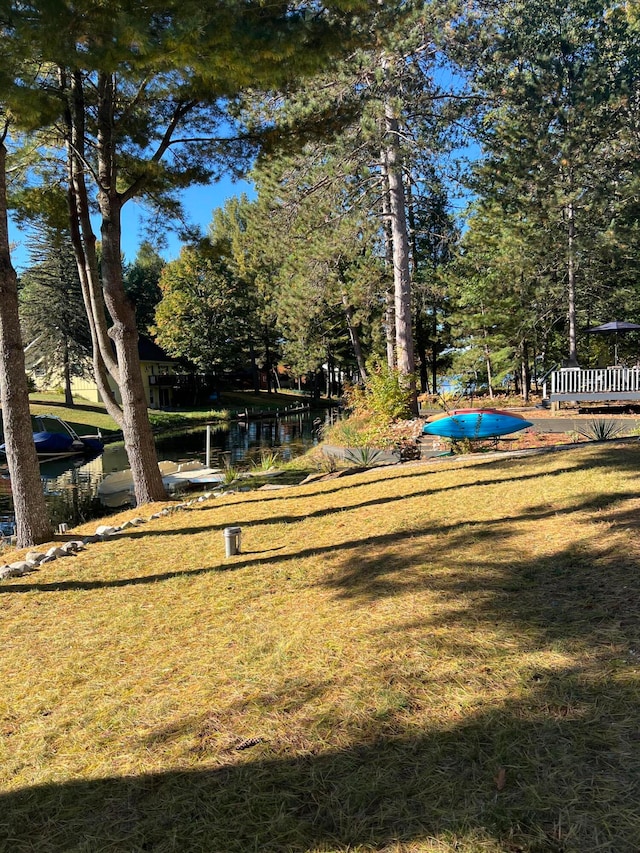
[475,423]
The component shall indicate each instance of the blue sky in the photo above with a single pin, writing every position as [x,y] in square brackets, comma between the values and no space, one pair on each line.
[199,203]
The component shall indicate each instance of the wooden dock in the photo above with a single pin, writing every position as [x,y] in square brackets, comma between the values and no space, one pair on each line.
[272,414]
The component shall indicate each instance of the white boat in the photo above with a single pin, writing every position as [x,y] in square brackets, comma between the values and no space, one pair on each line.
[117,489]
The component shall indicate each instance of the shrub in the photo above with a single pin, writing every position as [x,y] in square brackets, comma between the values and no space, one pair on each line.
[230,475]
[362,457]
[268,459]
[600,430]
[388,394]
[327,463]
[385,398]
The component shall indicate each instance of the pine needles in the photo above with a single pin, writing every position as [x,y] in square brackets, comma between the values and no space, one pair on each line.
[426,658]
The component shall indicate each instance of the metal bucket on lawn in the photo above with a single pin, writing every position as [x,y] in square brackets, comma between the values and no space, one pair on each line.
[232,540]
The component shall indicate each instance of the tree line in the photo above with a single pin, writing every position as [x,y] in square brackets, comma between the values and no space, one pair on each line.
[355,248]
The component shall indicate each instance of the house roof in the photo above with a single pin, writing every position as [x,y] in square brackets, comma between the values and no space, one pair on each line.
[150,351]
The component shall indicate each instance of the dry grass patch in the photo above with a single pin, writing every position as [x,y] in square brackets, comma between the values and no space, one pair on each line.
[419,658]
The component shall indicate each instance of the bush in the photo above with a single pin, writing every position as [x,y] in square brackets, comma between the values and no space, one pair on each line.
[362,457]
[386,395]
[600,430]
[355,431]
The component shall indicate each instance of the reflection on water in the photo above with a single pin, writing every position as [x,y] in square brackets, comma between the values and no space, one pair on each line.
[290,437]
[70,484]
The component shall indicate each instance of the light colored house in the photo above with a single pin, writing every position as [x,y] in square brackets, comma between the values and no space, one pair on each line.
[159,377]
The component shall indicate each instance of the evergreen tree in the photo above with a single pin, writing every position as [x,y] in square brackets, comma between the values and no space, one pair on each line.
[53,320]
[556,77]
[321,246]
[144,92]
[381,105]
[142,285]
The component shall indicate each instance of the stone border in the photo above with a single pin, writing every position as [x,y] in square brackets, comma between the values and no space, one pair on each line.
[34,559]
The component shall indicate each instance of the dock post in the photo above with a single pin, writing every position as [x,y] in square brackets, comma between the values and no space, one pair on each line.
[207,461]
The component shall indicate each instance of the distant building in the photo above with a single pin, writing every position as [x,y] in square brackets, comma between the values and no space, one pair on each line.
[159,377]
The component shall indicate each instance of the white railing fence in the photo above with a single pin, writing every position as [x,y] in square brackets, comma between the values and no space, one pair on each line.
[599,381]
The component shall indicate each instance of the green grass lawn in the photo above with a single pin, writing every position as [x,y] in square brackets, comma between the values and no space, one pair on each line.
[433,657]
[84,417]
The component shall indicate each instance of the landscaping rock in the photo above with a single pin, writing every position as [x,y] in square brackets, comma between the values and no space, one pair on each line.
[105,530]
[34,558]
[72,547]
[19,568]
[310,478]
[56,552]
[13,571]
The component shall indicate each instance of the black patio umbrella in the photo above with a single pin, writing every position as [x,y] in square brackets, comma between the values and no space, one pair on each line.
[615,326]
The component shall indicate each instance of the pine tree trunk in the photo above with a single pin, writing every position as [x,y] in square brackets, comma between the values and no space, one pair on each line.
[125,366]
[434,350]
[421,337]
[571,286]
[525,370]
[32,520]
[421,346]
[68,395]
[487,355]
[400,242]
[355,338]
[136,428]
[255,375]
[389,312]
[268,366]
[83,241]
[329,376]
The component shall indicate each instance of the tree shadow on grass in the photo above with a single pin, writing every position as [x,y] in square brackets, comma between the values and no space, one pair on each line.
[358,573]
[272,519]
[552,771]
[552,768]
[80,407]
[403,474]
[362,567]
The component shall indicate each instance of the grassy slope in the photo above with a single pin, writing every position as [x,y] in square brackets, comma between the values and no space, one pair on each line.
[428,658]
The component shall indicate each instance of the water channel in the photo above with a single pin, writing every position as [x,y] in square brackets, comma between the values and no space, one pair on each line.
[70,485]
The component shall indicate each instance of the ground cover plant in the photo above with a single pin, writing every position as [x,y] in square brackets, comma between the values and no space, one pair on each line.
[426,657]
